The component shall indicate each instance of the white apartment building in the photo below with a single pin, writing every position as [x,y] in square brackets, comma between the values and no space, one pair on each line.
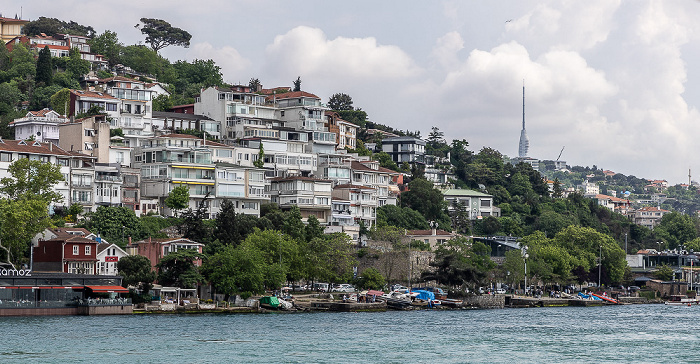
[311,195]
[40,125]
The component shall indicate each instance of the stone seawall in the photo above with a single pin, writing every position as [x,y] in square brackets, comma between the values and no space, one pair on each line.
[486,301]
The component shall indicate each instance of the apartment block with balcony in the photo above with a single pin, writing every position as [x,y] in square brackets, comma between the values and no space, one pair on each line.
[131,189]
[82,100]
[476,203]
[245,187]
[235,108]
[311,195]
[300,110]
[363,202]
[172,160]
[404,149]
[108,184]
[336,167]
[346,132]
[370,174]
[342,220]
[648,216]
[40,125]
[174,122]
[82,181]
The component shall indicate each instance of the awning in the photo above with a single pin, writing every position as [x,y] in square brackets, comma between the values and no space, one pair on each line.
[108,289]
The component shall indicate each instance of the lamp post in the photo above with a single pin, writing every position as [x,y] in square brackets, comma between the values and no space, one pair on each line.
[600,263]
[123,227]
[525,256]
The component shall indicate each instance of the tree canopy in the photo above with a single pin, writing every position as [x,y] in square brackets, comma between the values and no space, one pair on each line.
[160,34]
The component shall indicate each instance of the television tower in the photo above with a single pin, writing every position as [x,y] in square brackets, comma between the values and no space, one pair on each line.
[524,142]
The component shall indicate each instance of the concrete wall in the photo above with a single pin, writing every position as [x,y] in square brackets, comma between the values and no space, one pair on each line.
[486,301]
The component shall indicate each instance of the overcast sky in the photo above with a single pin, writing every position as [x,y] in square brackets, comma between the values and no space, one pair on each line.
[612,81]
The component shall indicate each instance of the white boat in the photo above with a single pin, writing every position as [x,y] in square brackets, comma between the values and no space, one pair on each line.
[682,300]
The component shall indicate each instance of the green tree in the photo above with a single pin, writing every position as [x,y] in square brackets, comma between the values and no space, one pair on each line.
[114,223]
[371,279]
[32,180]
[137,272]
[178,198]
[427,200]
[340,101]
[385,161]
[237,270]
[160,34]
[254,85]
[330,258]
[405,218]
[260,162]
[293,225]
[178,269]
[676,229]
[664,272]
[297,84]
[60,101]
[53,26]
[108,45]
[313,228]
[44,67]
[282,256]
[162,103]
[460,263]
[75,65]
[20,221]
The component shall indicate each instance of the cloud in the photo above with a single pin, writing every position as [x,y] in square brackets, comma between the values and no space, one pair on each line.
[233,65]
[307,51]
[446,49]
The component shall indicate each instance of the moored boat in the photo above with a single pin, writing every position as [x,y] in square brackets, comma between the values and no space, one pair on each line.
[681,300]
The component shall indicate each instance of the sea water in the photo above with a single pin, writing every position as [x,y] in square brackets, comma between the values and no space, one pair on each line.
[631,334]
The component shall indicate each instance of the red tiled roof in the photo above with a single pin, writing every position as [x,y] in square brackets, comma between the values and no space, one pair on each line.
[41,112]
[94,94]
[292,95]
[361,167]
[270,91]
[119,78]
[3,19]
[33,147]
[652,209]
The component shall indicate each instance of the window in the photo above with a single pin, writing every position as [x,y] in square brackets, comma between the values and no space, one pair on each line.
[485,203]
[87,249]
[75,250]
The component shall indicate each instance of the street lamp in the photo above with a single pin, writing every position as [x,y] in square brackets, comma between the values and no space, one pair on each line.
[525,256]
[600,263]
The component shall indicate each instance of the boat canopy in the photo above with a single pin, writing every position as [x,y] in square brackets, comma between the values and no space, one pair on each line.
[425,295]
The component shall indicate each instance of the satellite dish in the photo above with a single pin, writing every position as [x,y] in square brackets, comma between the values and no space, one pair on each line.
[38,133]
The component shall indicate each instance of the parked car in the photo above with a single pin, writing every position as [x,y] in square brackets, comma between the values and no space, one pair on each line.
[634,288]
[321,287]
[500,291]
[298,288]
[343,288]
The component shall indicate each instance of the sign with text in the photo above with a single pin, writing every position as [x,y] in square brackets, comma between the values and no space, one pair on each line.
[15,272]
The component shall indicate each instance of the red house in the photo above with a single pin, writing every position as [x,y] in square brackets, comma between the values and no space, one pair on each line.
[73,254]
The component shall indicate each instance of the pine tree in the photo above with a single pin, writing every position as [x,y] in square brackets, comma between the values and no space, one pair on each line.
[44,67]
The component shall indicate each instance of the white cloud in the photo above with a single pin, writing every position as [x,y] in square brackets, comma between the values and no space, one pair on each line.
[233,65]
[307,51]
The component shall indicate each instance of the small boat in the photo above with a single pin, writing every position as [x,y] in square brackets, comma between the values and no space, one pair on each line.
[681,300]
[269,302]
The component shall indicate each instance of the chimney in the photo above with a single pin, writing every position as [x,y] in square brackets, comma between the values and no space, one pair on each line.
[434,231]
[130,240]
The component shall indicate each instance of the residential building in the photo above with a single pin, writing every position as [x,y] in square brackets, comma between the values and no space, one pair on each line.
[108,185]
[345,132]
[434,237]
[81,101]
[342,220]
[368,173]
[156,249]
[135,107]
[108,255]
[311,195]
[363,202]
[589,188]
[66,253]
[649,216]
[89,136]
[477,204]
[172,160]
[616,204]
[41,126]
[236,109]
[12,150]
[131,189]
[173,122]
[11,28]
[82,178]
[404,149]
[245,187]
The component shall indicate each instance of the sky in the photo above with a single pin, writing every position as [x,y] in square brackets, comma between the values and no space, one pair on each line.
[610,81]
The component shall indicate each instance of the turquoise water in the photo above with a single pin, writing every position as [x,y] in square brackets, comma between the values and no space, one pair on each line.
[634,333]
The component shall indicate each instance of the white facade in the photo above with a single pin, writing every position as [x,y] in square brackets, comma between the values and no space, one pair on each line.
[41,125]
[108,255]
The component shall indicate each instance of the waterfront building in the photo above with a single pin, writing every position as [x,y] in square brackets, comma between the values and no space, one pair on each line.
[108,256]
[67,253]
[156,249]
[41,126]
